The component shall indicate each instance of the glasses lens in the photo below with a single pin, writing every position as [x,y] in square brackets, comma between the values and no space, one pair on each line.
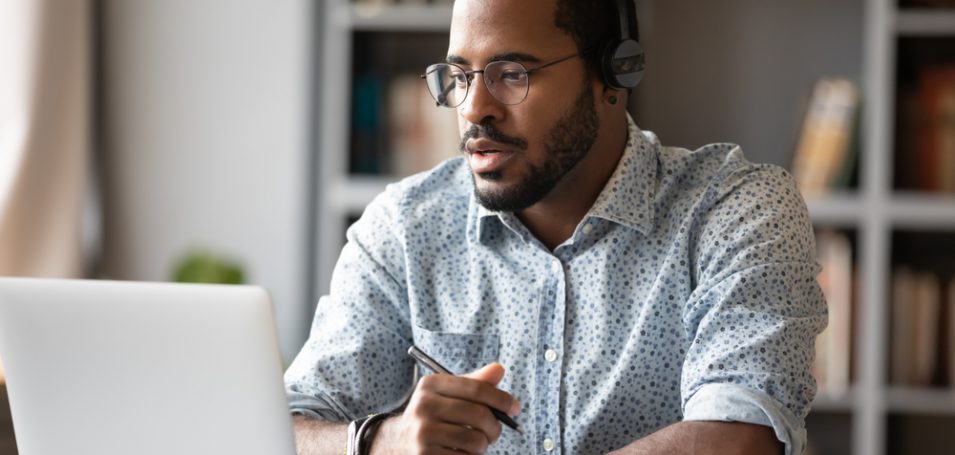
[447,83]
[507,81]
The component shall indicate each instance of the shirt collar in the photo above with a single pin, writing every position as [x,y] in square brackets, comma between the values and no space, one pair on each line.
[627,197]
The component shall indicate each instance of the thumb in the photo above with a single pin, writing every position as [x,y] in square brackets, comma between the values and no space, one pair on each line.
[491,373]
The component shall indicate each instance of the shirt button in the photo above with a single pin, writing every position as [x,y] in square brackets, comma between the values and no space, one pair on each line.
[548,445]
[550,355]
[588,228]
[556,266]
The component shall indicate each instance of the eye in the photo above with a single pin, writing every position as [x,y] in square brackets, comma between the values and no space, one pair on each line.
[458,78]
[513,75]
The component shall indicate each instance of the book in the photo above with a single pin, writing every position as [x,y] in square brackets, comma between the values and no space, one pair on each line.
[421,135]
[847,175]
[926,306]
[916,311]
[834,344]
[366,140]
[936,134]
[822,150]
[905,163]
[948,331]
[901,364]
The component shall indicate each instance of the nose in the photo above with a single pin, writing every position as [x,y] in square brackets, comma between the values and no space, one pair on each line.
[480,105]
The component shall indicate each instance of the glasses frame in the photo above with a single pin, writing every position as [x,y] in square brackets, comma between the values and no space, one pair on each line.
[470,78]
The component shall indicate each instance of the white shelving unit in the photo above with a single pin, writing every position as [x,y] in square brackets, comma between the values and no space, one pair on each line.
[874,211]
[406,18]
[925,22]
[842,209]
[883,211]
[342,195]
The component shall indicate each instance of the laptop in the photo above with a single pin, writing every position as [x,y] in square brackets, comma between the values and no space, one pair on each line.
[119,368]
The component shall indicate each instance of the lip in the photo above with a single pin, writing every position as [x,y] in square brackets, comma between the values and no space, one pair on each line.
[485,155]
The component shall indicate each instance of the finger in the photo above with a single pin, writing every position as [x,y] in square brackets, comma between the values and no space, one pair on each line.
[491,373]
[471,390]
[460,412]
[455,437]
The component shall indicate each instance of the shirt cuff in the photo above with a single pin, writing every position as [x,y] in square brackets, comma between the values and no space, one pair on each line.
[734,403]
[314,407]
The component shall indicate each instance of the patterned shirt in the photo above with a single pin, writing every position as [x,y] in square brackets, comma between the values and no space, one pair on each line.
[687,292]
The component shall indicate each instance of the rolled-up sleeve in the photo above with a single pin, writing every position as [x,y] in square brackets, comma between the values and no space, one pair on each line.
[354,361]
[754,315]
[738,403]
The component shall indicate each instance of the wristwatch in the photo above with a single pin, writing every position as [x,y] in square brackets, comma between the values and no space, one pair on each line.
[361,432]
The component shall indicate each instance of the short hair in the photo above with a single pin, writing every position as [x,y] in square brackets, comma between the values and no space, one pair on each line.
[591,24]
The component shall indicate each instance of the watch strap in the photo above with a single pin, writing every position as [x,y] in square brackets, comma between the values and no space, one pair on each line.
[361,432]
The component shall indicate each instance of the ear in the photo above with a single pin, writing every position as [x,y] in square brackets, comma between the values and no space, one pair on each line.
[611,97]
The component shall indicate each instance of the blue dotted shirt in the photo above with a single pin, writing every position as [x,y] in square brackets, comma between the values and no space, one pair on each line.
[687,292]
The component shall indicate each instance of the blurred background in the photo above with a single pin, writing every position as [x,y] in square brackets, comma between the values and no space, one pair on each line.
[225,141]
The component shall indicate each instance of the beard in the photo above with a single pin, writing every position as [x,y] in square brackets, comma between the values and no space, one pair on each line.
[567,144]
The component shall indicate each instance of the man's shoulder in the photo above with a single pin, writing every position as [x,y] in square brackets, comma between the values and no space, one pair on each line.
[718,169]
[441,191]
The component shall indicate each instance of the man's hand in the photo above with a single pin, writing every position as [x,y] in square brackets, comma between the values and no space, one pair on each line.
[448,415]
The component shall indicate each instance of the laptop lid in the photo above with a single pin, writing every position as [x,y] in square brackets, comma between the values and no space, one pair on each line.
[116,368]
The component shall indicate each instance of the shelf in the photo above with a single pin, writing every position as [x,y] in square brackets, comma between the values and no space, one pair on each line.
[829,403]
[918,22]
[922,211]
[843,209]
[907,400]
[905,209]
[385,18]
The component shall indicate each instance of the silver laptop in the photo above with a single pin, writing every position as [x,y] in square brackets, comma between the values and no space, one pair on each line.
[119,368]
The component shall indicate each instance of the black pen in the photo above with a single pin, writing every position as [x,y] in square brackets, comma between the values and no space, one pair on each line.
[420,356]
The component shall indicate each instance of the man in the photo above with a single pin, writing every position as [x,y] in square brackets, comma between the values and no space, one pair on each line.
[610,293]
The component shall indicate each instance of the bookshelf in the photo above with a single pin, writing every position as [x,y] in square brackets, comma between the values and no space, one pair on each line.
[886,418]
[872,416]
[916,22]
[344,30]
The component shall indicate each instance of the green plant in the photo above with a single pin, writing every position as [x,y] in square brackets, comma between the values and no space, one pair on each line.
[205,267]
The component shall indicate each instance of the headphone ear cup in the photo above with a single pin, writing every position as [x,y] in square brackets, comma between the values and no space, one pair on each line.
[606,65]
[623,64]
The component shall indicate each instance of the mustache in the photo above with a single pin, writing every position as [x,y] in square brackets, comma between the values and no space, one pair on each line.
[488,131]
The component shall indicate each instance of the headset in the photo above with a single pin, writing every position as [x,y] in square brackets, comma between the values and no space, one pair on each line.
[623,63]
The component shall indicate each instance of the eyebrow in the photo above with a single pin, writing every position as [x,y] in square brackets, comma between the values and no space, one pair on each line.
[519,57]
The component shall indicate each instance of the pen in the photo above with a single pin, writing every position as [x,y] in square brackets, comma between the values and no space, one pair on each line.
[420,356]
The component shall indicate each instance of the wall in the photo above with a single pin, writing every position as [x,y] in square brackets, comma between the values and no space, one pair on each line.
[739,70]
[205,138]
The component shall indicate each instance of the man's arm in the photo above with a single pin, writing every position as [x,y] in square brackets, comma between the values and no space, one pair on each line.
[318,437]
[756,307]
[354,361]
[444,411]
[704,438]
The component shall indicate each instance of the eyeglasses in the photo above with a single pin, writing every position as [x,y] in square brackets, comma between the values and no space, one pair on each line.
[507,81]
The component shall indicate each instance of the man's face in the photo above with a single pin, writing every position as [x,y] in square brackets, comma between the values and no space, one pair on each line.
[519,153]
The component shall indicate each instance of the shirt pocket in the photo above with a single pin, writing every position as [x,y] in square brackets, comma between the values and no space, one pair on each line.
[458,352]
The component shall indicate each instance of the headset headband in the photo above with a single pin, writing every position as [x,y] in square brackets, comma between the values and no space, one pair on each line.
[622,63]
[623,13]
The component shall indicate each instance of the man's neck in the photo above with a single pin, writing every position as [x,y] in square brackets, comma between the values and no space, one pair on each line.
[554,218]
